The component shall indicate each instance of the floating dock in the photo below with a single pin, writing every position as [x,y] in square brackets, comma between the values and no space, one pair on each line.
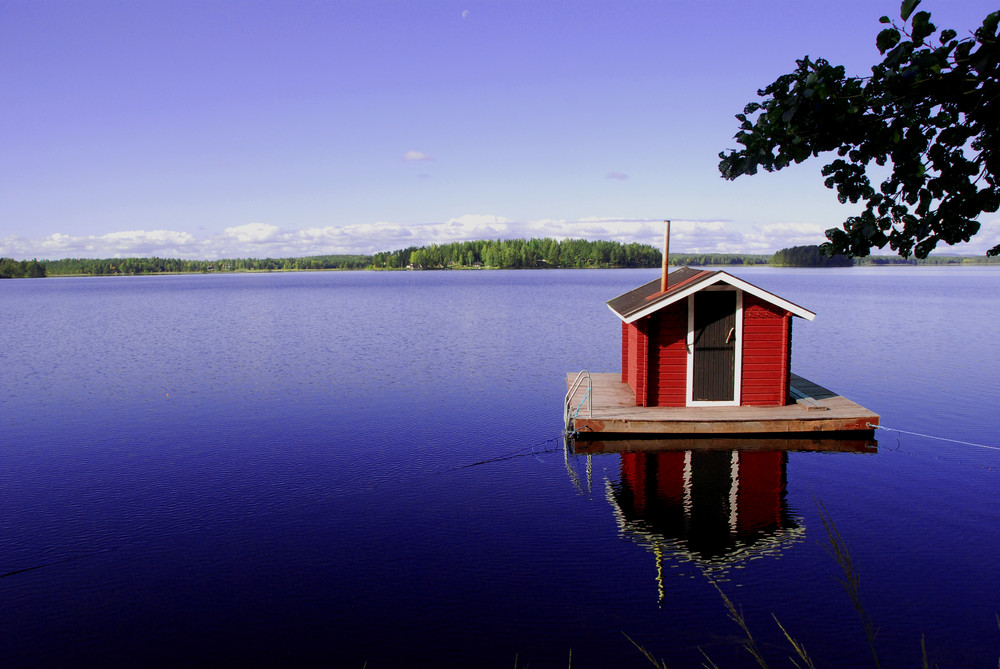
[607,406]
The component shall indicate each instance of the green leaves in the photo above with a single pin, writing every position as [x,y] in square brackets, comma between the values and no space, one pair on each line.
[989,26]
[887,39]
[922,27]
[927,112]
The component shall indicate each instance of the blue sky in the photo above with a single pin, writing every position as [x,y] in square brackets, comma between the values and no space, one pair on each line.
[206,129]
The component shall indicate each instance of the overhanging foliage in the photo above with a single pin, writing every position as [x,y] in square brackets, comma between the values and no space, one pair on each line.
[929,110]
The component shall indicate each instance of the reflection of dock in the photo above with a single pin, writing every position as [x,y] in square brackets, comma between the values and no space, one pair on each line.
[816,409]
[849,443]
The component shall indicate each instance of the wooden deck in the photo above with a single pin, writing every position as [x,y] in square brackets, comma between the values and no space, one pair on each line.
[816,410]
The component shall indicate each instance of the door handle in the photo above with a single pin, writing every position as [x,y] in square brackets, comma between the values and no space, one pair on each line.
[730,335]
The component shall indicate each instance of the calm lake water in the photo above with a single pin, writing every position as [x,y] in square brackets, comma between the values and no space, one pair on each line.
[329,469]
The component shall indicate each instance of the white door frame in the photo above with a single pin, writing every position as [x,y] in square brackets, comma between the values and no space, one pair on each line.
[738,361]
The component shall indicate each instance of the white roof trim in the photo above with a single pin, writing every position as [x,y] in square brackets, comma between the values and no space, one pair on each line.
[714,279]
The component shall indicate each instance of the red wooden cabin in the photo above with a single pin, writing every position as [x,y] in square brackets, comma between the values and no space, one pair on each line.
[706,338]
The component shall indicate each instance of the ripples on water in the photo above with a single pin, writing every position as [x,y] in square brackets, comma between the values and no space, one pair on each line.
[273,468]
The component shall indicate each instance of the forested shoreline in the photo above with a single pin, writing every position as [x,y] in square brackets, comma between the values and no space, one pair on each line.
[546,253]
[483,254]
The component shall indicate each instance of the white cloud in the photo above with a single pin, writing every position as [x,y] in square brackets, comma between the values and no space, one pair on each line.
[163,243]
[265,239]
[416,155]
[771,237]
[465,13]
[252,233]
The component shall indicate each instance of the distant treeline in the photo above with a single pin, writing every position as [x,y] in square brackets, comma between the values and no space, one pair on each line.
[13,269]
[113,266]
[698,259]
[491,254]
[929,260]
[547,253]
[807,256]
[521,254]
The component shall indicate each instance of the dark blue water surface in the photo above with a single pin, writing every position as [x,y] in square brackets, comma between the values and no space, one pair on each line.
[333,469]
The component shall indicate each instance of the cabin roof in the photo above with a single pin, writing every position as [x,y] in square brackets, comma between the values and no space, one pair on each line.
[648,298]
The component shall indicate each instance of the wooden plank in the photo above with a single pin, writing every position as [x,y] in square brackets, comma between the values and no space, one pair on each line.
[615,412]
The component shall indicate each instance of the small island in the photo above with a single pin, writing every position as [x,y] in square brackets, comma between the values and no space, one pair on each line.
[808,256]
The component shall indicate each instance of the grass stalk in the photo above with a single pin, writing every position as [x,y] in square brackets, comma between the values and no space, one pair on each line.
[736,615]
[659,664]
[799,649]
[851,582]
[711,663]
[924,662]
[837,547]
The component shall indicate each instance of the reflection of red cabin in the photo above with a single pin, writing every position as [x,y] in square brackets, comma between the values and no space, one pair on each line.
[709,339]
[715,502]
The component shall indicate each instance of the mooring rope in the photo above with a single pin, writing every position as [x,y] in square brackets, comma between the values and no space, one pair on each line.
[532,449]
[931,436]
[71,558]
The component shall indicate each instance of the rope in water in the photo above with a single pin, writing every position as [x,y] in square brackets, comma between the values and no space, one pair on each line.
[537,448]
[931,436]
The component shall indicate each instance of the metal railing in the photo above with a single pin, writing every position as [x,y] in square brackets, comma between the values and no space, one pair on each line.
[569,413]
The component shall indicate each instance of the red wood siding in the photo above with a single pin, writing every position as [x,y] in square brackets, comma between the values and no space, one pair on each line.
[638,359]
[668,357]
[766,353]
[630,357]
[624,352]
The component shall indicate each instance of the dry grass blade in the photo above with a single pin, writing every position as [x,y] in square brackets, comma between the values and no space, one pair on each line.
[659,664]
[737,617]
[799,648]
[925,663]
[852,578]
[711,664]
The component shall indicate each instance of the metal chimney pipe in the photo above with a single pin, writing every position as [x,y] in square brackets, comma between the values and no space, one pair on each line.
[666,256]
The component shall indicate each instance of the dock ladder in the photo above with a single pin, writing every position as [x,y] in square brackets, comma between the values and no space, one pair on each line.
[569,413]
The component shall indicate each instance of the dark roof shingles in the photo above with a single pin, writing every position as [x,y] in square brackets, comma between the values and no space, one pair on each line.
[628,303]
